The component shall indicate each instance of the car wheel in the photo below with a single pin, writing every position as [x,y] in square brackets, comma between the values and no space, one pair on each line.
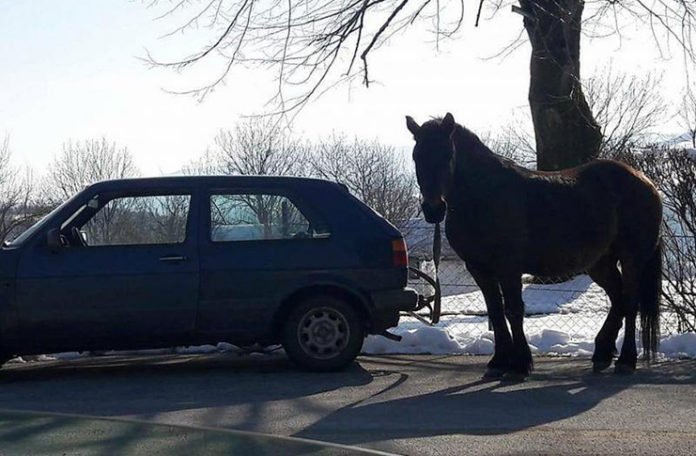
[323,333]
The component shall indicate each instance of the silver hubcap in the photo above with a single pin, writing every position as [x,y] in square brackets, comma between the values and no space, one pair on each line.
[323,333]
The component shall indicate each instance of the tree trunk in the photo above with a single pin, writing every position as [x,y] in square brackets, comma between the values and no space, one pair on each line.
[565,130]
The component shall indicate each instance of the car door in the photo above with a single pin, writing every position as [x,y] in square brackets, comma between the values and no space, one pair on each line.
[126,277]
[256,244]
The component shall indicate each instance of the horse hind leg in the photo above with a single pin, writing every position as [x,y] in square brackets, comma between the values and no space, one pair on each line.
[605,273]
[642,283]
[626,364]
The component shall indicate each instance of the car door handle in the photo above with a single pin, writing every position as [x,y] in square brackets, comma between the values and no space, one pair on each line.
[173,258]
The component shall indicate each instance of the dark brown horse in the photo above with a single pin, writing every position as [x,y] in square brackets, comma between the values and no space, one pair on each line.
[504,220]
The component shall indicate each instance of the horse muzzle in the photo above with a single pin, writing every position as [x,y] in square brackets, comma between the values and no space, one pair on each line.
[434,212]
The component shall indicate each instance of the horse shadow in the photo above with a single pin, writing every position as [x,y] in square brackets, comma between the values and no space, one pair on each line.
[485,407]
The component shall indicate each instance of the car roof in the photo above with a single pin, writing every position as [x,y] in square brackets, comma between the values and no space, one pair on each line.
[212,181]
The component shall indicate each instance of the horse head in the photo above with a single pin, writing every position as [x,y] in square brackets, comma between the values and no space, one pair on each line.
[434,157]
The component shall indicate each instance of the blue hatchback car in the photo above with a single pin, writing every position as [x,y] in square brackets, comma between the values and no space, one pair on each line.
[161,262]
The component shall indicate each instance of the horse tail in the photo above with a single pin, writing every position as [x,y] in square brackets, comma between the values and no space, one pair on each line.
[650,293]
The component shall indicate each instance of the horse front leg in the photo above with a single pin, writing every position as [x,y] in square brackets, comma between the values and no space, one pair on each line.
[521,363]
[500,363]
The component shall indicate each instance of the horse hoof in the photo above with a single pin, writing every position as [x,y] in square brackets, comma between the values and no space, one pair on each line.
[514,377]
[494,373]
[599,366]
[624,369]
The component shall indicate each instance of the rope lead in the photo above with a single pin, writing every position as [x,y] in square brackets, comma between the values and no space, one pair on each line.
[437,253]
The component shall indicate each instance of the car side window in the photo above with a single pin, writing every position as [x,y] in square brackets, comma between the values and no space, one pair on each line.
[135,220]
[253,217]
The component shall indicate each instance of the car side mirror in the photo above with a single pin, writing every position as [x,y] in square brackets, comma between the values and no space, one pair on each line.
[53,240]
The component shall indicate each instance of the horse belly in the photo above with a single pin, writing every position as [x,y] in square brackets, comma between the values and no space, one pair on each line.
[569,233]
[557,256]
[560,262]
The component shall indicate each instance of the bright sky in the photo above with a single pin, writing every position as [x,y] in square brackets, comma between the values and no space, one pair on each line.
[69,69]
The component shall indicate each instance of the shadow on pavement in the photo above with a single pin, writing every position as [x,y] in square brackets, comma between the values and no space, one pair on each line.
[148,385]
[379,399]
[491,407]
[49,434]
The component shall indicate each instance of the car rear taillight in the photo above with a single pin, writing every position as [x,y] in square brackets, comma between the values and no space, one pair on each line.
[399,253]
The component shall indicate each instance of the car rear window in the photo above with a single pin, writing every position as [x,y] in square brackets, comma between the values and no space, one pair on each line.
[259,216]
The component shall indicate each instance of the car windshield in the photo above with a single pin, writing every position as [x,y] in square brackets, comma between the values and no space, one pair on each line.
[29,232]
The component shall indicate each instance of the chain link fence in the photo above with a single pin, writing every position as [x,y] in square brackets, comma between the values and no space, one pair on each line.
[575,309]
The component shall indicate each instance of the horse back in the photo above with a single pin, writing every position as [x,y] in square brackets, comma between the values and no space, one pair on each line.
[576,216]
[552,223]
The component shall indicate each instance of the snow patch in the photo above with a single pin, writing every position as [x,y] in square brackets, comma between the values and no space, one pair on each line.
[679,345]
[421,340]
[200,349]
[548,338]
[448,341]
[68,355]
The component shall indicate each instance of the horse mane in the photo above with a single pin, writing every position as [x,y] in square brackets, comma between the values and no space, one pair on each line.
[467,142]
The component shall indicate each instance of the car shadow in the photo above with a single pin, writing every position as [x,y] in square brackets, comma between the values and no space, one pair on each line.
[485,407]
[39,433]
[148,385]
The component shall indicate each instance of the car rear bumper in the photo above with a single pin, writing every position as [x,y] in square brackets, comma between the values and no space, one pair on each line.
[388,304]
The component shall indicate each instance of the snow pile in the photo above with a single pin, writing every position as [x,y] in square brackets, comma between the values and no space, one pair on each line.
[198,349]
[446,341]
[549,341]
[432,341]
[222,347]
[442,341]
[429,340]
[679,345]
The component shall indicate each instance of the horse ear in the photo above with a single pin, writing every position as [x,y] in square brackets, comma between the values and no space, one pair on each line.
[448,123]
[412,126]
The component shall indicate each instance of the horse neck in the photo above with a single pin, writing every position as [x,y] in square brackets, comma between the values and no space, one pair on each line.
[474,162]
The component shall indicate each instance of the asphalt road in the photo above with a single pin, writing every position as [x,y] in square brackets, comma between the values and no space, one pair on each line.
[418,405]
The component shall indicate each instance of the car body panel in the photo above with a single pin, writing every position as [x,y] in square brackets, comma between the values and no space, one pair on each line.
[125,297]
[95,296]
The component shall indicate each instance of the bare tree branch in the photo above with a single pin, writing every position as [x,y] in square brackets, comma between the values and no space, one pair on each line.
[306,42]
[17,205]
[687,113]
[258,147]
[313,44]
[625,106]
[674,172]
[85,162]
[373,172]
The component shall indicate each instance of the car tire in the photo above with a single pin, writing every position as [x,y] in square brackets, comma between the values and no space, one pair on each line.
[323,333]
